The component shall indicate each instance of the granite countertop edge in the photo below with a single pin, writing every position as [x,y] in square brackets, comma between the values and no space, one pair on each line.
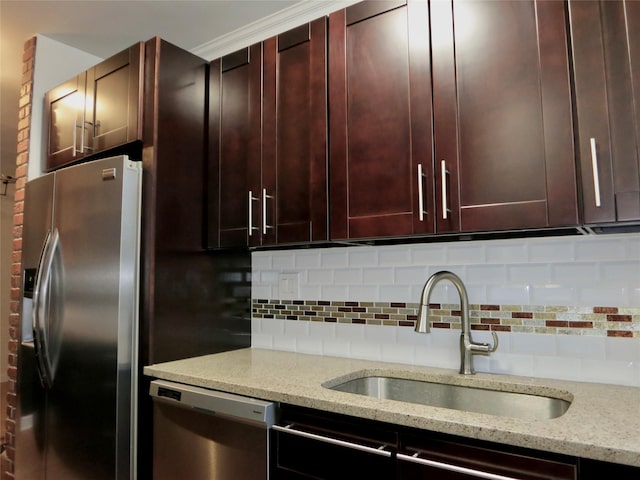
[601,423]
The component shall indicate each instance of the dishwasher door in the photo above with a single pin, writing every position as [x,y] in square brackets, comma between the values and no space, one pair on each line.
[203,434]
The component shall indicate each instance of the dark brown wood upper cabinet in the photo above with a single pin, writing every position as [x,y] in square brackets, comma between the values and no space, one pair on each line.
[504,155]
[114,99]
[65,119]
[99,109]
[234,178]
[450,117]
[294,152]
[606,56]
[381,166]
[268,142]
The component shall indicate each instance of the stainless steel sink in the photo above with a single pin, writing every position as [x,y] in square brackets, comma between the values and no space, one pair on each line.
[470,399]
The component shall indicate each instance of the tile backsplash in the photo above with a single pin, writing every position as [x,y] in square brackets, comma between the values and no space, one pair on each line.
[564,307]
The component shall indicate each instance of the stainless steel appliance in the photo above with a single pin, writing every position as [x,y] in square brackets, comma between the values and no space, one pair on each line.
[202,434]
[78,355]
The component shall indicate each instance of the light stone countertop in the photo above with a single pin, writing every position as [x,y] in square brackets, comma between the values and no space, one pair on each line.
[602,423]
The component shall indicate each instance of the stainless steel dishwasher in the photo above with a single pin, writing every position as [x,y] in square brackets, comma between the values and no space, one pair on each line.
[203,434]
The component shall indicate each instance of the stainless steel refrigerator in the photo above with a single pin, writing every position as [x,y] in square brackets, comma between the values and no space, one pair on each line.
[77,371]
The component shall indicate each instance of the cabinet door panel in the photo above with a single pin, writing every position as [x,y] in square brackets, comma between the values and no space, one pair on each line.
[65,116]
[380,101]
[234,149]
[294,162]
[606,45]
[512,149]
[114,103]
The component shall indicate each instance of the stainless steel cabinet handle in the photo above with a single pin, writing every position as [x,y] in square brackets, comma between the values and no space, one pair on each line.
[334,441]
[452,468]
[265,226]
[75,136]
[594,166]
[444,172]
[250,223]
[421,176]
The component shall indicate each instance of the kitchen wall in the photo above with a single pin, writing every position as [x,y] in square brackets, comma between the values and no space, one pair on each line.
[563,307]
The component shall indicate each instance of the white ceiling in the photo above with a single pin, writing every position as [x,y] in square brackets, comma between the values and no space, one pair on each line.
[104,27]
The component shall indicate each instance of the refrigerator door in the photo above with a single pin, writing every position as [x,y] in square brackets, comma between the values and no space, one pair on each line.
[86,318]
[30,434]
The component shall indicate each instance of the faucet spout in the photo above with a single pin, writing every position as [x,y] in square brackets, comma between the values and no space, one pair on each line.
[468,347]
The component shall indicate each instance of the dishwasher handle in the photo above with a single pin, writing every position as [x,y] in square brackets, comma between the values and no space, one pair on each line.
[214,402]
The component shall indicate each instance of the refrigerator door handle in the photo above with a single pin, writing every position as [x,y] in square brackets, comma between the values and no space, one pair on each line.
[40,316]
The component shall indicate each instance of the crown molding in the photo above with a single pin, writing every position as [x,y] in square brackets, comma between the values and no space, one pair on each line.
[293,16]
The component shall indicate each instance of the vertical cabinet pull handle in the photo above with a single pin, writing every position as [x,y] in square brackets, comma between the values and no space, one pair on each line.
[421,177]
[265,196]
[250,223]
[594,166]
[444,173]
[75,136]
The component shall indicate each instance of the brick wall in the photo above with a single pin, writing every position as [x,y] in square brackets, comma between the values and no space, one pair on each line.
[24,122]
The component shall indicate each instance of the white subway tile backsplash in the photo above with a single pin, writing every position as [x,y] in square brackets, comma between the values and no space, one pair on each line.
[594,249]
[552,367]
[320,277]
[604,295]
[429,254]
[310,259]
[347,276]
[262,291]
[396,255]
[466,253]
[407,275]
[553,294]
[508,294]
[578,272]
[506,252]
[587,347]
[552,250]
[486,275]
[366,351]
[532,344]
[575,273]
[363,257]
[378,275]
[349,331]
[261,260]
[328,292]
[283,260]
[334,257]
[535,274]
[620,373]
[363,293]
[396,293]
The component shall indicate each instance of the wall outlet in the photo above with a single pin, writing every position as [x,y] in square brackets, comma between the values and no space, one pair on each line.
[288,285]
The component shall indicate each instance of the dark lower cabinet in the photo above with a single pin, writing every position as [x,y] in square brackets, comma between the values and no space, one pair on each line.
[431,456]
[314,444]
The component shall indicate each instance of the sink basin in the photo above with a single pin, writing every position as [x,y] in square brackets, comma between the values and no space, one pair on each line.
[470,399]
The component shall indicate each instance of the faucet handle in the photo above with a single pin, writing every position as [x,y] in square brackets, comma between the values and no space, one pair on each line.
[495,342]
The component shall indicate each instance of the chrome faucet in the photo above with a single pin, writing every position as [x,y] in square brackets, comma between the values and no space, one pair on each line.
[468,347]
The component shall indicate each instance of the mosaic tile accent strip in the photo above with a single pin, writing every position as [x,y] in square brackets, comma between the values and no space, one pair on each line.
[596,321]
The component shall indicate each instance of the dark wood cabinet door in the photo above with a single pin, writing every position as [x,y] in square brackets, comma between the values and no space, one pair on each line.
[294,145]
[606,56]
[234,178]
[114,102]
[381,167]
[64,114]
[502,116]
